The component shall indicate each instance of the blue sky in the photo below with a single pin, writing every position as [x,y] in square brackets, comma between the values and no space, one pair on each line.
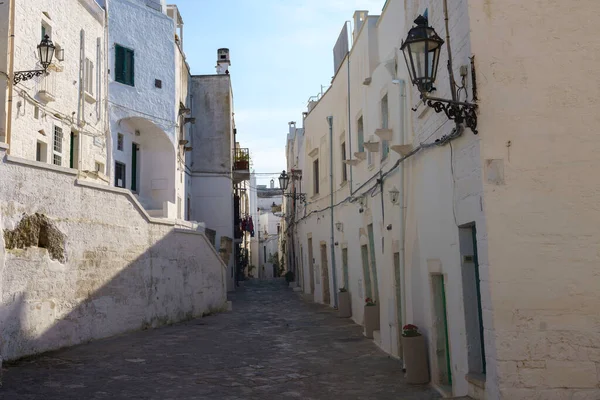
[281,54]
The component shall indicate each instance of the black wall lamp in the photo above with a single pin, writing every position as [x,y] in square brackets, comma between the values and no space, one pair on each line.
[421,51]
[284,181]
[45,52]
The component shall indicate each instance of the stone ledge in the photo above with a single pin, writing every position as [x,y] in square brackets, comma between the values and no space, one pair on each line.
[131,197]
[41,165]
[476,379]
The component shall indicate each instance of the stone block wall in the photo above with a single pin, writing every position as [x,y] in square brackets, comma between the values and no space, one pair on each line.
[111,268]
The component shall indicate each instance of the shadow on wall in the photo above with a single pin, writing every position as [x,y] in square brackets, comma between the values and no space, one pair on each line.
[67,304]
[81,263]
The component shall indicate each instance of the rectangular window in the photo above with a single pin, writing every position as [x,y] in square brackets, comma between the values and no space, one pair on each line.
[316,176]
[124,65]
[57,146]
[89,76]
[46,30]
[119,174]
[344,166]
[58,139]
[361,135]
[41,152]
[385,145]
[120,141]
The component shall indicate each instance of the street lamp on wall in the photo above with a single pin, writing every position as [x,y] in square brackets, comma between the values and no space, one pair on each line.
[45,53]
[421,50]
[284,181]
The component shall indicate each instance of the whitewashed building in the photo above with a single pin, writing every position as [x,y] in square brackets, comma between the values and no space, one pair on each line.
[471,236]
[57,117]
[145,105]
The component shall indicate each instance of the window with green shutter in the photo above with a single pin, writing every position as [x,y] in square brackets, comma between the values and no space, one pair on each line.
[124,65]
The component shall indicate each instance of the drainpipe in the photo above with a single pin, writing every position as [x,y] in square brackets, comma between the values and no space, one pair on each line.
[80,106]
[333,268]
[349,125]
[448,47]
[106,80]
[402,89]
[11,70]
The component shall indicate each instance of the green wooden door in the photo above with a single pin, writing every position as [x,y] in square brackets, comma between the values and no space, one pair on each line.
[134,156]
[444,375]
[479,311]
[364,252]
[345,269]
[373,262]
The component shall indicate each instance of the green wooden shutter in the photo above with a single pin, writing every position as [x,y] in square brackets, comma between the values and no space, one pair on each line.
[129,67]
[119,64]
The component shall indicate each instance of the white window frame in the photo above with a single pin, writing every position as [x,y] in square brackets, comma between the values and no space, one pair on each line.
[57,142]
[90,78]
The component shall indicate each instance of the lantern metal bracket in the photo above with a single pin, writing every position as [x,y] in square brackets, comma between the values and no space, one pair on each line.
[296,196]
[20,76]
[457,111]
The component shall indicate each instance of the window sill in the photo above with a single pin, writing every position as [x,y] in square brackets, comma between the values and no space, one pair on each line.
[476,379]
[124,84]
[89,97]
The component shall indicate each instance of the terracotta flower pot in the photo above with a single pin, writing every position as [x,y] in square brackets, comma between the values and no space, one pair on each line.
[416,359]
[344,308]
[371,320]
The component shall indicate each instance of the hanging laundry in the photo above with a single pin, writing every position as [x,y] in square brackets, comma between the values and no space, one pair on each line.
[251,227]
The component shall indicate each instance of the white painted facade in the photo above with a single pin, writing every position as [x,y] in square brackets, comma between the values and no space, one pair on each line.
[213,141]
[58,118]
[122,270]
[268,233]
[145,113]
[475,203]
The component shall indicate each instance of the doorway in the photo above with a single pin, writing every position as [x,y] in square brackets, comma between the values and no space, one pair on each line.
[472,300]
[364,252]
[398,287]
[345,271]
[440,328]
[74,156]
[325,275]
[135,148]
[373,261]
[311,267]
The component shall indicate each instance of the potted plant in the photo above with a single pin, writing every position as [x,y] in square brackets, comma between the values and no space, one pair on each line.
[414,348]
[242,161]
[371,317]
[344,308]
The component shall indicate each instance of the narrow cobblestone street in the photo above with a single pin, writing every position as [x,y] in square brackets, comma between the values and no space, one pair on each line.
[274,345]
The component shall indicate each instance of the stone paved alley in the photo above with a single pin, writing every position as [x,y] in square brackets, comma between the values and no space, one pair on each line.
[274,345]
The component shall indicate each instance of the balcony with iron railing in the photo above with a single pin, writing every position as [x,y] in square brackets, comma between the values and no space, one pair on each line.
[241,165]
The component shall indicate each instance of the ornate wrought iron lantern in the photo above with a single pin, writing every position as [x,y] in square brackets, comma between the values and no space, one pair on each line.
[45,53]
[284,181]
[421,50]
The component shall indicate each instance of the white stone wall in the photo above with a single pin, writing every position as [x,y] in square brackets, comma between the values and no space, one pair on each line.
[123,270]
[370,52]
[538,124]
[154,59]
[80,33]
[442,190]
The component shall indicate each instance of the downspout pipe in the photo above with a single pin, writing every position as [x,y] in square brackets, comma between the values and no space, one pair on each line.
[349,124]
[402,234]
[11,71]
[333,267]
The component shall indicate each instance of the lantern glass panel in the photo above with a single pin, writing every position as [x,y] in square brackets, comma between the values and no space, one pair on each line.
[46,51]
